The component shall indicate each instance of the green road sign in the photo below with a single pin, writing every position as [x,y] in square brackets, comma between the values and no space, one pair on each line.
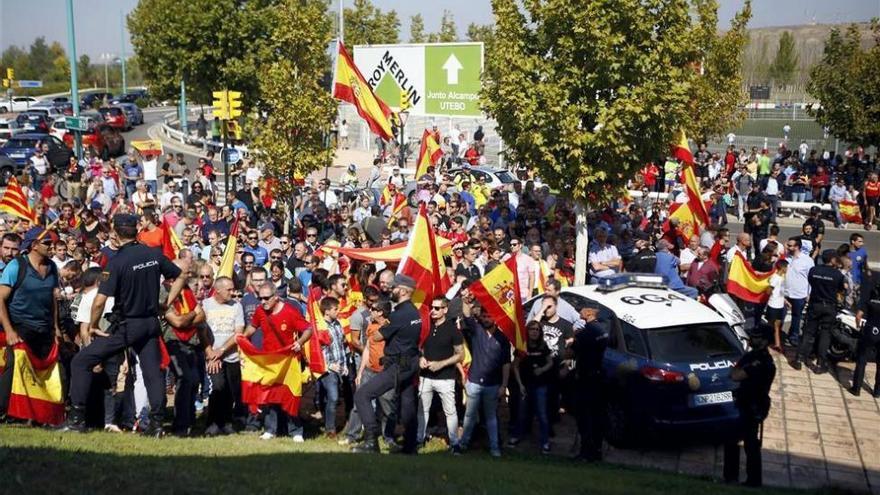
[76,123]
[440,78]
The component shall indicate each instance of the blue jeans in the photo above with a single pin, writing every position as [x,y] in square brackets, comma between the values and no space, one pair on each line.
[799,196]
[535,402]
[487,398]
[330,383]
[688,291]
[153,186]
[797,312]
[276,421]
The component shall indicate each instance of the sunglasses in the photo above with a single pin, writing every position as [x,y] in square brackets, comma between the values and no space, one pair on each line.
[311,235]
[248,263]
[205,276]
[265,298]
[437,308]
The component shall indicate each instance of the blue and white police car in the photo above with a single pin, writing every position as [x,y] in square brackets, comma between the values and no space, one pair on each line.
[667,365]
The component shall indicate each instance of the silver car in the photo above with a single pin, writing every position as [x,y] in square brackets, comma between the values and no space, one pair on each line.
[132,112]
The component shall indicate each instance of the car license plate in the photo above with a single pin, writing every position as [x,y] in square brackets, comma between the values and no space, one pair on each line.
[16,155]
[716,398]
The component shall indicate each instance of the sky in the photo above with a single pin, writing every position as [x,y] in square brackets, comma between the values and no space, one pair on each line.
[98,21]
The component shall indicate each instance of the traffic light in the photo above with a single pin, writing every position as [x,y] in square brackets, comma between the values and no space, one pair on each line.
[234,103]
[10,73]
[221,104]
[404,100]
[6,83]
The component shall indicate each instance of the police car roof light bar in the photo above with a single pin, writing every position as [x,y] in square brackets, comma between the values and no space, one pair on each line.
[625,280]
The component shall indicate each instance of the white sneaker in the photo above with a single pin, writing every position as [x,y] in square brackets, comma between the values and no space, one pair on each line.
[267,436]
[112,428]
[298,439]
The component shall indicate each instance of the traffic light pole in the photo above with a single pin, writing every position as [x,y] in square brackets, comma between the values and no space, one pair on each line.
[224,155]
[74,88]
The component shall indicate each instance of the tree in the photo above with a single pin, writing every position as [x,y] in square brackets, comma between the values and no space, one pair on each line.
[762,66]
[85,73]
[784,65]
[40,60]
[299,110]
[480,32]
[447,31]
[417,29]
[366,24]
[586,92]
[845,84]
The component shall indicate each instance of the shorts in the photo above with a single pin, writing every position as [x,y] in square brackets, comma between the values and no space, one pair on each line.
[872,202]
[774,314]
[670,182]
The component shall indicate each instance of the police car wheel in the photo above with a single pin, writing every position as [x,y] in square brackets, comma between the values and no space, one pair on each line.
[620,428]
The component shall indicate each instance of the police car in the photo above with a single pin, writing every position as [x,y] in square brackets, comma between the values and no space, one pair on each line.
[666,368]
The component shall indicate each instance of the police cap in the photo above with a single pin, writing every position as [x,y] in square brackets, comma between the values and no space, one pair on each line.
[401,280]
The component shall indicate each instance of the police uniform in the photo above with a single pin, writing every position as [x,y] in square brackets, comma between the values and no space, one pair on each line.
[133,280]
[589,349]
[826,283]
[869,306]
[401,365]
[752,399]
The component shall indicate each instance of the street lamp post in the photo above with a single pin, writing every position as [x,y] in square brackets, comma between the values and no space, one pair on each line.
[106,58]
[122,36]
[402,115]
[74,85]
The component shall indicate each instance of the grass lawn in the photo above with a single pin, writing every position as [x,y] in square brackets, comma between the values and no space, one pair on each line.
[37,461]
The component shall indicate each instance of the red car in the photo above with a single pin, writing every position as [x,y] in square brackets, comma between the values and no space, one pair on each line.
[115,117]
[103,139]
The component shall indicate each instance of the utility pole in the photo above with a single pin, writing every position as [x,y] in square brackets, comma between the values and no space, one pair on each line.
[74,87]
[122,37]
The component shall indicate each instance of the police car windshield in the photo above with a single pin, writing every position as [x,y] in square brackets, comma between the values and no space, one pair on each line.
[692,343]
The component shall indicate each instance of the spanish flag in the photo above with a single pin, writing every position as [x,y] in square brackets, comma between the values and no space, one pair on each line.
[312,350]
[227,263]
[429,153]
[147,146]
[349,85]
[498,293]
[544,275]
[682,151]
[2,351]
[388,254]
[849,211]
[397,207]
[745,283]
[387,194]
[171,244]
[16,204]
[423,261]
[36,386]
[270,377]
[687,220]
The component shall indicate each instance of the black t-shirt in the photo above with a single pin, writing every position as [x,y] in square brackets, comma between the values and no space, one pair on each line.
[869,298]
[818,227]
[532,360]
[472,273]
[555,335]
[825,283]
[753,395]
[133,280]
[403,331]
[589,350]
[439,346]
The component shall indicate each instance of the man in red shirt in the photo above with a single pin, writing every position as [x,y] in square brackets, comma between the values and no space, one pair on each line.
[284,330]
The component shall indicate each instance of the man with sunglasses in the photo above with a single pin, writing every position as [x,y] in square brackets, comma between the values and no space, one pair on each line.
[28,308]
[225,318]
[312,239]
[261,255]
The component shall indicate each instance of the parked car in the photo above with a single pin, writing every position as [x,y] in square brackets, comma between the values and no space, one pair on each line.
[496,178]
[22,146]
[94,100]
[115,116]
[46,108]
[8,168]
[65,108]
[59,128]
[125,98]
[17,103]
[104,140]
[133,113]
[34,122]
[61,99]
[8,128]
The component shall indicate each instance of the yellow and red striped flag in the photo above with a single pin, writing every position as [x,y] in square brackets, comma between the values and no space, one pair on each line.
[2,351]
[171,244]
[543,276]
[349,85]
[682,151]
[227,263]
[397,207]
[498,294]
[15,203]
[423,261]
[312,350]
[148,147]
[429,153]
[747,284]
[36,386]
[270,377]
[850,212]
[387,254]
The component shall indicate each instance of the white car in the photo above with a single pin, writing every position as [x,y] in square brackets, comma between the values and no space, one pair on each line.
[8,128]
[17,103]
[59,128]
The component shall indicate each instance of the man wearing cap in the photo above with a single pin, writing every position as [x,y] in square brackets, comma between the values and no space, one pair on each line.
[401,363]
[132,278]
[28,308]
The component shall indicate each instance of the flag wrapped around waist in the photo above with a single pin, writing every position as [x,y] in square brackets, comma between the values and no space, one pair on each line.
[498,293]
[36,386]
[270,377]
[747,284]
[2,351]
[850,212]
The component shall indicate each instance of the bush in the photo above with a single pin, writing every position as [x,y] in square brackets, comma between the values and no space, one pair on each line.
[143,102]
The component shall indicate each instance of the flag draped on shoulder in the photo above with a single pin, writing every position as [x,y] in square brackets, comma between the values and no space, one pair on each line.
[849,211]
[227,263]
[270,377]
[423,261]
[429,153]
[312,350]
[15,202]
[349,85]
[36,386]
[498,294]
[747,284]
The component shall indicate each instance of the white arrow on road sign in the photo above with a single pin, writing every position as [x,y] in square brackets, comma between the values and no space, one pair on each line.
[452,66]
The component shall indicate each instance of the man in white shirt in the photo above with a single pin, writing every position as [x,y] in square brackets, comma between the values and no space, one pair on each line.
[797,286]
[603,258]
[689,254]
[836,194]
[743,244]
[327,196]
[525,268]
[151,173]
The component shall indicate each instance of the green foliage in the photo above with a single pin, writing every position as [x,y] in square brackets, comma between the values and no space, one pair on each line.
[845,83]
[447,33]
[586,92]
[366,24]
[299,110]
[417,29]
[480,32]
[784,65]
[762,66]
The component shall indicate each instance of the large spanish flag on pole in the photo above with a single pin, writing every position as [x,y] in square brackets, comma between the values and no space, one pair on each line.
[498,293]
[15,203]
[349,85]
[227,263]
[36,386]
[270,377]
[429,153]
[747,284]
[682,151]
[423,261]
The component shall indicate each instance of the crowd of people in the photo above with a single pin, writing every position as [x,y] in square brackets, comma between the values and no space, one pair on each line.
[285,258]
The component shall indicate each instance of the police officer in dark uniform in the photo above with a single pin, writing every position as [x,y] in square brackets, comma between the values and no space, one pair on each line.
[754,372]
[401,363]
[645,259]
[869,311]
[827,285]
[817,234]
[589,349]
[132,278]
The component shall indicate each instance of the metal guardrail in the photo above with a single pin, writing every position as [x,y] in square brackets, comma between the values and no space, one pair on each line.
[185,138]
[788,205]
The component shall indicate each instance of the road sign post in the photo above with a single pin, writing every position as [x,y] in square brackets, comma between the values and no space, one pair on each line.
[76,123]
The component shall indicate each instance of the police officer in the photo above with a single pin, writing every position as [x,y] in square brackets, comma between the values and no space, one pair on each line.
[645,259]
[132,278]
[754,372]
[401,363]
[589,350]
[869,310]
[827,286]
